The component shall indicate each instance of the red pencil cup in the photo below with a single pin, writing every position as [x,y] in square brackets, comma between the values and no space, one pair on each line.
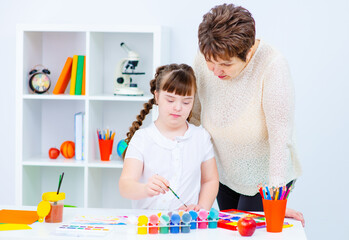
[274,211]
[105,149]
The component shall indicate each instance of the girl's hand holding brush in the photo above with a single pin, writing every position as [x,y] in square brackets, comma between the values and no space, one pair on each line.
[156,185]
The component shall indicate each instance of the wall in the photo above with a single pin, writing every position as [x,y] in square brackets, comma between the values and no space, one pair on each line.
[311,34]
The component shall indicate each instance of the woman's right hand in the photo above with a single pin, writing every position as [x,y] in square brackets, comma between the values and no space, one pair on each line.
[156,185]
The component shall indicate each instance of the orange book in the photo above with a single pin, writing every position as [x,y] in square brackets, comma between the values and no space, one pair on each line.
[83,78]
[64,78]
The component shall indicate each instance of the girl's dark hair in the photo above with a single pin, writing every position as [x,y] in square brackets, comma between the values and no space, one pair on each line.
[173,78]
[226,31]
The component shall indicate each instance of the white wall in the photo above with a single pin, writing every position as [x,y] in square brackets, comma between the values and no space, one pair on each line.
[313,35]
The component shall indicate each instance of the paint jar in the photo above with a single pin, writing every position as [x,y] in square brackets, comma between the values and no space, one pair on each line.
[194,216]
[164,224]
[185,224]
[174,223]
[142,225]
[55,213]
[213,218]
[202,222]
[153,224]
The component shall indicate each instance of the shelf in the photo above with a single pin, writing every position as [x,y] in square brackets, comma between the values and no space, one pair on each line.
[53,97]
[59,162]
[46,120]
[108,97]
[106,164]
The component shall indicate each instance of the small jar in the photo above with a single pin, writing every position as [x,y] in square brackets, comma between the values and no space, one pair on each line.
[57,203]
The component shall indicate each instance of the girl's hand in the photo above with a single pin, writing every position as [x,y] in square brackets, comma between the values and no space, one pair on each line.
[291,213]
[195,207]
[156,185]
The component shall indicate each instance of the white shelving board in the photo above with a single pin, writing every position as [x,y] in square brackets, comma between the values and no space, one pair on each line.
[46,120]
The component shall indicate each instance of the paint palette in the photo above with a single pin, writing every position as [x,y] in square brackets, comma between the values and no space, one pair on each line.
[100,220]
[82,230]
[228,219]
[177,222]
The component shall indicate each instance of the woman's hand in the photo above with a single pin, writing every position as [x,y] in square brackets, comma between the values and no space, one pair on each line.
[195,207]
[291,213]
[156,185]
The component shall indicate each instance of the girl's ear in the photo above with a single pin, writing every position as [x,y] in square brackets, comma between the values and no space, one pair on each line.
[156,94]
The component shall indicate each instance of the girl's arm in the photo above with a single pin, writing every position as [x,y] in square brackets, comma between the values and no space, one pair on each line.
[129,184]
[209,183]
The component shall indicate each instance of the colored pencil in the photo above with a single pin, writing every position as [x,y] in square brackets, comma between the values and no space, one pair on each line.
[268,193]
[261,192]
[276,194]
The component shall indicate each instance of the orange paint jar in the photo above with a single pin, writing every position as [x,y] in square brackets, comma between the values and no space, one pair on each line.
[56,213]
[57,203]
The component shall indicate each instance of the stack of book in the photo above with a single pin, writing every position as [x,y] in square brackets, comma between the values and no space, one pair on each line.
[73,70]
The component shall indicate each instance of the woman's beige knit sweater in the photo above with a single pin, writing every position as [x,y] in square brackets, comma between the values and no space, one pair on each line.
[250,119]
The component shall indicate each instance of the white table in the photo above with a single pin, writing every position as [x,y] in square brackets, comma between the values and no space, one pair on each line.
[48,230]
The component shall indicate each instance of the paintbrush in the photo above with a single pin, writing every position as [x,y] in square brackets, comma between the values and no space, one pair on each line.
[60,182]
[177,196]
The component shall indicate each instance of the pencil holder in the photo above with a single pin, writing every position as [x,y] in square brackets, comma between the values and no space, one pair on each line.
[274,211]
[105,149]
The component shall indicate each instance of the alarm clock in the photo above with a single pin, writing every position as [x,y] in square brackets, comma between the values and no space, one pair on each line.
[39,81]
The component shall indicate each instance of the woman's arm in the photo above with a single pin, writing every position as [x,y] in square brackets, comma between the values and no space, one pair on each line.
[209,184]
[290,213]
[278,107]
[129,184]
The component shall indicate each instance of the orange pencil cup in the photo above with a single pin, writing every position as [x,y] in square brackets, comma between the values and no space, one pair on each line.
[105,149]
[274,211]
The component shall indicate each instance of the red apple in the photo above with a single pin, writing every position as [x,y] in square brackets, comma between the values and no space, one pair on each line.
[246,226]
[53,153]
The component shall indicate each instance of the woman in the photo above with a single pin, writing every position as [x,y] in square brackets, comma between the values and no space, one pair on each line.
[245,101]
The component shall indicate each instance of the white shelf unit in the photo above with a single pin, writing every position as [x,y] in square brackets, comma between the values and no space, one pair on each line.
[46,120]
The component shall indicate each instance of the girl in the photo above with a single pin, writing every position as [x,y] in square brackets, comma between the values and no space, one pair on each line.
[170,152]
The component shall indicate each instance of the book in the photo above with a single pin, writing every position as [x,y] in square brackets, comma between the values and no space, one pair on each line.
[79,135]
[84,79]
[64,77]
[79,74]
[73,75]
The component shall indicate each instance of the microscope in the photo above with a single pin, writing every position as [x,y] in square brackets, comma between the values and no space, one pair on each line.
[125,69]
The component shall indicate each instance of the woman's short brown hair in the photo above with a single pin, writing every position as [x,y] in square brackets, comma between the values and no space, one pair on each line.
[226,31]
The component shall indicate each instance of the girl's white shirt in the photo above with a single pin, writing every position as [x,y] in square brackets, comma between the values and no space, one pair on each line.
[179,161]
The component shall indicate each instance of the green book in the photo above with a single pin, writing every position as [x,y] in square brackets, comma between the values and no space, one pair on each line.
[79,74]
